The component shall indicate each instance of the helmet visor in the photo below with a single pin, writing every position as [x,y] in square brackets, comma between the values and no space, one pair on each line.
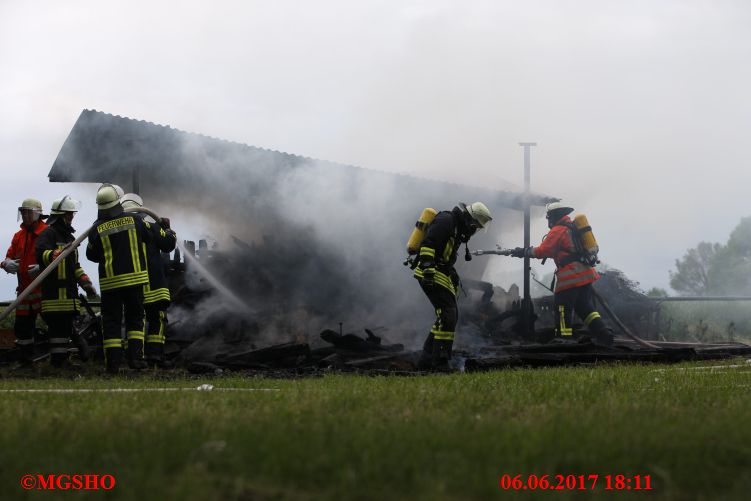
[29,215]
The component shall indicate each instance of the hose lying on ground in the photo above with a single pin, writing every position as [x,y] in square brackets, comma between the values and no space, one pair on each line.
[53,265]
[620,324]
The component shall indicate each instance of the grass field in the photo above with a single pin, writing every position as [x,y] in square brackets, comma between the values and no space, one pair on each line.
[360,437]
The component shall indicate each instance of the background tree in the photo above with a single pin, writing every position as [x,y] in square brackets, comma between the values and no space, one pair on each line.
[692,272]
[730,270]
[657,292]
[714,269]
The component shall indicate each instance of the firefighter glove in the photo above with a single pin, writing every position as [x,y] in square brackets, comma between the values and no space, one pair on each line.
[89,288]
[56,253]
[521,252]
[164,223]
[428,276]
[11,265]
[33,270]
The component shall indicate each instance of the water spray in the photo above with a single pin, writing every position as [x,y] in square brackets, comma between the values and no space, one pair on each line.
[215,283]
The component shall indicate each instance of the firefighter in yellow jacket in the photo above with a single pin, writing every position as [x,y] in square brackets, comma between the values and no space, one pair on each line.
[60,288]
[439,280]
[116,243]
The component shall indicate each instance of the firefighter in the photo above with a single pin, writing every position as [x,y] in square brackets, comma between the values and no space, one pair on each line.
[21,260]
[115,242]
[439,280]
[574,277]
[60,288]
[156,295]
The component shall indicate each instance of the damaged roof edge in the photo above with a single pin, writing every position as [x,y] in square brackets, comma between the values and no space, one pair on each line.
[119,134]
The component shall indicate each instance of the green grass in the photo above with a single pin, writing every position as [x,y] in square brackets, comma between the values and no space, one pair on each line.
[359,437]
[706,322]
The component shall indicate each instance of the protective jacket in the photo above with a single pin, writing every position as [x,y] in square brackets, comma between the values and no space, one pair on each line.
[23,247]
[161,241]
[559,245]
[60,288]
[116,243]
[439,248]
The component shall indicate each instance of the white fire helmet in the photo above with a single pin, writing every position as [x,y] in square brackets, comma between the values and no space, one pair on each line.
[108,196]
[562,208]
[63,205]
[481,214]
[30,204]
[131,201]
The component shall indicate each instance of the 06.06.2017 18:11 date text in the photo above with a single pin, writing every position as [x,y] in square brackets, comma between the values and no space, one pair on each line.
[590,482]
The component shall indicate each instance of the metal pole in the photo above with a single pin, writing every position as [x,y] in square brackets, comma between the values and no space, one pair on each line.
[527,301]
[136,179]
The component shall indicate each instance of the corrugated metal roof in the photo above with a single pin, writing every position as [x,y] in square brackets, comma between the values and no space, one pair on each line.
[107,148]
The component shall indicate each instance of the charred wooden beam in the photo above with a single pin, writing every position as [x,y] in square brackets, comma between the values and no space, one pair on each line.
[285,355]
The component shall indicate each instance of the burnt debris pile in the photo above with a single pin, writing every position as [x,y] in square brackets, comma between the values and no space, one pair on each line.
[259,325]
[315,340]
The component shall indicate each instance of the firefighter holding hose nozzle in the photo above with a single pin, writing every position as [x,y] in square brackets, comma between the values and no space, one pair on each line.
[60,288]
[436,253]
[156,295]
[571,244]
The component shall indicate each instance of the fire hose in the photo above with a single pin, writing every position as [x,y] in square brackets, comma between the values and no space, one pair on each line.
[620,324]
[605,305]
[53,265]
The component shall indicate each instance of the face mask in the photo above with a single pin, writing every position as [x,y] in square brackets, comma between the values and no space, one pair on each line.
[28,216]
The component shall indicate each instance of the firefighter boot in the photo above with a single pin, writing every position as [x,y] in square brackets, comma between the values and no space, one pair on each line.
[155,356]
[442,355]
[603,335]
[113,358]
[135,355]
[27,354]
[426,357]
[58,352]
[24,328]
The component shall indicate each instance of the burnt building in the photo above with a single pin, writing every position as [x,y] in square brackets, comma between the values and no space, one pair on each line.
[299,233]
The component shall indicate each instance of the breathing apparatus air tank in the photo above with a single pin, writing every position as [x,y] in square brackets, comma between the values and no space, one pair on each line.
[587,238]
[421,228]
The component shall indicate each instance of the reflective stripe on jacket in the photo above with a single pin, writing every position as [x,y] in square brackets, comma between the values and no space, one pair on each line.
[161,241]
[116,244]
[438,250]
[559,245]
[59,288]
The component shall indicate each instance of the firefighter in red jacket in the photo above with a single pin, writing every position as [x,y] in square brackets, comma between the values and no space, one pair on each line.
[21,260]
[574,278]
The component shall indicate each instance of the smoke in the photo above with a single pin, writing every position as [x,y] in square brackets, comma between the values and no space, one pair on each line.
[297,238]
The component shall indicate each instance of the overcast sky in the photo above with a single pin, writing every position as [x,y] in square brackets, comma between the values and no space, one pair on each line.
[640,108]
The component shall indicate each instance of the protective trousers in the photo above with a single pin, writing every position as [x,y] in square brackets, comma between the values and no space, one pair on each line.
[24,329]
[156,318]
[59,329]
[437,347]
[114,301]
[578,300]
[25,323]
